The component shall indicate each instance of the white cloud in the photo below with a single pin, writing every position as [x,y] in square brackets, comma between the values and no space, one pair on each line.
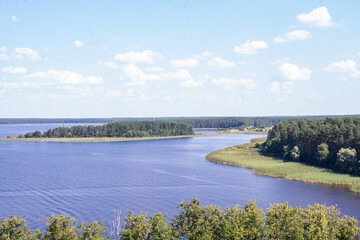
[3,49]
[250,47]
[155,69]
[146,56]
[67,77]
[220,63]
[348,67]
[292,36]
[4,56]
[138,77]
[191,83]
[28,52]
[13,18]
[281,90]
[228,83]
[359,54]
[294,73]
[111,65]
[280,61]
[183,63]
[14,70]
[78,43]
[318,17]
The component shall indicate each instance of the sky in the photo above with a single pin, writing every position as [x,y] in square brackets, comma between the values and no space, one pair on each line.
[178,58]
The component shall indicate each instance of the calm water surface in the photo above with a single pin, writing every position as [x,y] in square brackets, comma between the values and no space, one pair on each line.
[90,180]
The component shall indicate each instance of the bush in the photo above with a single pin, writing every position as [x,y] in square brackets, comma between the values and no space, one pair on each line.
[281,221]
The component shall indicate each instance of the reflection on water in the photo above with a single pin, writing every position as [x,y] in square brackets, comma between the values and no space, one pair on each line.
[90,180]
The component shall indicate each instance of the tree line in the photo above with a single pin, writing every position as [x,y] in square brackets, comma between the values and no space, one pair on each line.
[196,122]
[281,221]
[331,143]
[117,129]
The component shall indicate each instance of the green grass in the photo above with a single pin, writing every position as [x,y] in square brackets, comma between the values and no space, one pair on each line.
[249,157]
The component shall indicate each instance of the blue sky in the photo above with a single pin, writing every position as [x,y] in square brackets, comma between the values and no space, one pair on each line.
[178,58]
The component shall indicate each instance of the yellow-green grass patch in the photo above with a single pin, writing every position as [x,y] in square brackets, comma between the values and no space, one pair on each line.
[249,157]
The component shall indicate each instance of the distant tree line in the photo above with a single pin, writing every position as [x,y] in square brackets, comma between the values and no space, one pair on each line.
[197,122]
[331,143]
[281,221]
[118,129]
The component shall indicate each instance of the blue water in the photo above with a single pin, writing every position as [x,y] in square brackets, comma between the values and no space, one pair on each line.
[90,180]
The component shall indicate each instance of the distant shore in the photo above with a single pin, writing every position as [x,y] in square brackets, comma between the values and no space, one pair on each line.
[247,156]
[122,139]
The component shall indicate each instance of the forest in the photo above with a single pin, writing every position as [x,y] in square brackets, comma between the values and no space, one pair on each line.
[281,221]
[117,129]
[195,122]
[330,143]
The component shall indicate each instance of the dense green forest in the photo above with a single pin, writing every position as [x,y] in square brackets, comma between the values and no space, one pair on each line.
[331,143]
[117,129]
[281,221]
[195,122]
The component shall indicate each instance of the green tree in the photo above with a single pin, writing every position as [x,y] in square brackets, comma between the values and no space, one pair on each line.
[295,154]
[346,160]
[15,228]
[60,227]
[322,152]
[284,222]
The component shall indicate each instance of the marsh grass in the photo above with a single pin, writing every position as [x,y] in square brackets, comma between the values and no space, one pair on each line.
[248,156]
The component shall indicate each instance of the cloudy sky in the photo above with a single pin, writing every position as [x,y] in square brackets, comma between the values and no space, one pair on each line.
[178,58]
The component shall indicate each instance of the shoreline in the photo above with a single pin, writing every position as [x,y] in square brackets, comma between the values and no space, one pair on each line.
[246,156]
[120,139]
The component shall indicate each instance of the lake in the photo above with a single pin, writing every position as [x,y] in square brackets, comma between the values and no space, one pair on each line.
[89,180]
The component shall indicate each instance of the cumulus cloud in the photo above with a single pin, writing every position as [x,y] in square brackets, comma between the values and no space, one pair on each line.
[146,56]
[229,83]
[66,77]
[281,90]
[155,69]
[250,47]
[294,73]
[183,63]
[78,43]
[191,83]
[111,65]
[13,18]
[26,52]
[348,67]
[138,77]
[4,56]
[318,17]
[293,36]
[280,61]
[220,63]
[3,49]
[14,70]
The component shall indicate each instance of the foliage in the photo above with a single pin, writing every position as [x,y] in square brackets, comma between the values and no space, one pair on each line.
[295,154]
[318,142]
[346,160]
[15,228]
[281,221]
[118,129]
[322,152]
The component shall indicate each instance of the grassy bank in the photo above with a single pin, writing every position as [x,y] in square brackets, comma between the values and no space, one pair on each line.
[249,157]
